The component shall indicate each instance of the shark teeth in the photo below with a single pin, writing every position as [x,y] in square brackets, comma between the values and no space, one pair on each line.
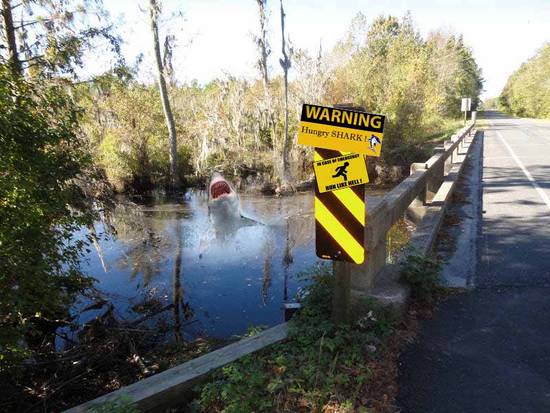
[219,188]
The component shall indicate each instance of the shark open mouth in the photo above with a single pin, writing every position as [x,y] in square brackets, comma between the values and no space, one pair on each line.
[219,188]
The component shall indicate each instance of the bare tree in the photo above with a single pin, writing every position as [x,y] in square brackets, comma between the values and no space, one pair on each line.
[285,64]
[267,118]
[154,12]
[262,43]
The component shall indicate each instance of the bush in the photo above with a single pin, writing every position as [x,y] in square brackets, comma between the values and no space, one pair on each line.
[422,273]
[125,125]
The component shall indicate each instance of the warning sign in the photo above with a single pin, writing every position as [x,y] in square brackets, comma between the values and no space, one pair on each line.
[340,172]
[339,216]
[341,129]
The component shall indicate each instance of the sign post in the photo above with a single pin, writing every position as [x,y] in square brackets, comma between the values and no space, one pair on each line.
[342,137]
[465,107]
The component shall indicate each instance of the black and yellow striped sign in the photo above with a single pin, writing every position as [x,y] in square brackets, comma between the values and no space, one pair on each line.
[339,219]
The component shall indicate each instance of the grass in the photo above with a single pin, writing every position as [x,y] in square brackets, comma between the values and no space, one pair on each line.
[418,150]
[321,367]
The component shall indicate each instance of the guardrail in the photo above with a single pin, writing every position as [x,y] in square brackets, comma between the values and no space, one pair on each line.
[422,196]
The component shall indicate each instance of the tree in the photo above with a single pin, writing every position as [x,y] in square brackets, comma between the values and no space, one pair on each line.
[262,42]
[266,122]
[285,64]
[52,36]
[527,91]
[41,161]
[154,11]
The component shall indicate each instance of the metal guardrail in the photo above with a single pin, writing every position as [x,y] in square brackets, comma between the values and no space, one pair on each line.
[412,197]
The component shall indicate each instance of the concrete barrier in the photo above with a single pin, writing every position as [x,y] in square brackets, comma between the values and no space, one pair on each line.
[165,389]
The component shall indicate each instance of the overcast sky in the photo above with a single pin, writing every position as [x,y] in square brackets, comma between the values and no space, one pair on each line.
[214,36]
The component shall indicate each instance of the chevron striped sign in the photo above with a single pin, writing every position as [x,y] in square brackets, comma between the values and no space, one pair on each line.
[339,219]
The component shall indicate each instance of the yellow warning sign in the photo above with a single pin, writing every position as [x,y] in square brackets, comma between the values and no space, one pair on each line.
[340,172]
[339,217]
[341,129]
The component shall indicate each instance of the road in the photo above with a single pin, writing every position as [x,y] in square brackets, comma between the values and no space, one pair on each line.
[488,350]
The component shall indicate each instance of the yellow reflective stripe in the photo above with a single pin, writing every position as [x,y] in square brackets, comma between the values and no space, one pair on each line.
[339,232]
[352,202]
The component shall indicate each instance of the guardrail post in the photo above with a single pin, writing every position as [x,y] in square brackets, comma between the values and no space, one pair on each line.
[454,154]
[417,209]
[449,160]
[437,173]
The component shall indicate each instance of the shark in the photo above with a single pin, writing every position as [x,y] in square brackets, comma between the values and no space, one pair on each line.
[224,208]
[224,212]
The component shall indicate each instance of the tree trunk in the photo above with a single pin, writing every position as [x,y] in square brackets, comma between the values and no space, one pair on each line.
[13,56]
[154,12]
[262,41]
[285,63]
[265,51]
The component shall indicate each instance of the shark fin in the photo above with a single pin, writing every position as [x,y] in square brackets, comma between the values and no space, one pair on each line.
[249,221]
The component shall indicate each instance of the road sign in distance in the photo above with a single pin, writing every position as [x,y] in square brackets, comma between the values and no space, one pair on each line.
[466,104]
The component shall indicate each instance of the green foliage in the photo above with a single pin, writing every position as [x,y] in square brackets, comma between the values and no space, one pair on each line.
[41,206]
[122,404]
[491,103]
[527,91]
[54,36]
[125,125]
[320,361]
[422,273]
[236,126]
[416,83]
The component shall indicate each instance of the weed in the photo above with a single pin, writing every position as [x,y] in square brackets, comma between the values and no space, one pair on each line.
[422,273]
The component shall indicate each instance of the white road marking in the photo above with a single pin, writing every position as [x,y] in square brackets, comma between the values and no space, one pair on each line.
[525,171]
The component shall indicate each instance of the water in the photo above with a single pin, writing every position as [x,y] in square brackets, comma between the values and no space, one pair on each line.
[219,285]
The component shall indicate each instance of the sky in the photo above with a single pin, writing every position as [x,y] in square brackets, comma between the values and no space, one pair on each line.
[214,37]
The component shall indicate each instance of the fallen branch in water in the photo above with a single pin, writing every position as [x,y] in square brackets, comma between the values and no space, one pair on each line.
[151,315]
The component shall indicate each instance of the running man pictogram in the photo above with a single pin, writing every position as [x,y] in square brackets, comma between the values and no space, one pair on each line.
[341,171]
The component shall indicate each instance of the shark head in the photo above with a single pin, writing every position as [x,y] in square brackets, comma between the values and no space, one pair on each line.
[223,201]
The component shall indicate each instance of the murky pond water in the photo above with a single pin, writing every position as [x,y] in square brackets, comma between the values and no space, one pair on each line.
[166,255]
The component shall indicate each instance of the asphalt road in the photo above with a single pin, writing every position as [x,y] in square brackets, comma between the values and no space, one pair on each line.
[488,350]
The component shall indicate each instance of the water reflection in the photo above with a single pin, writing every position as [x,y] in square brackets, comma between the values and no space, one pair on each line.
[163,257]
[163,264]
